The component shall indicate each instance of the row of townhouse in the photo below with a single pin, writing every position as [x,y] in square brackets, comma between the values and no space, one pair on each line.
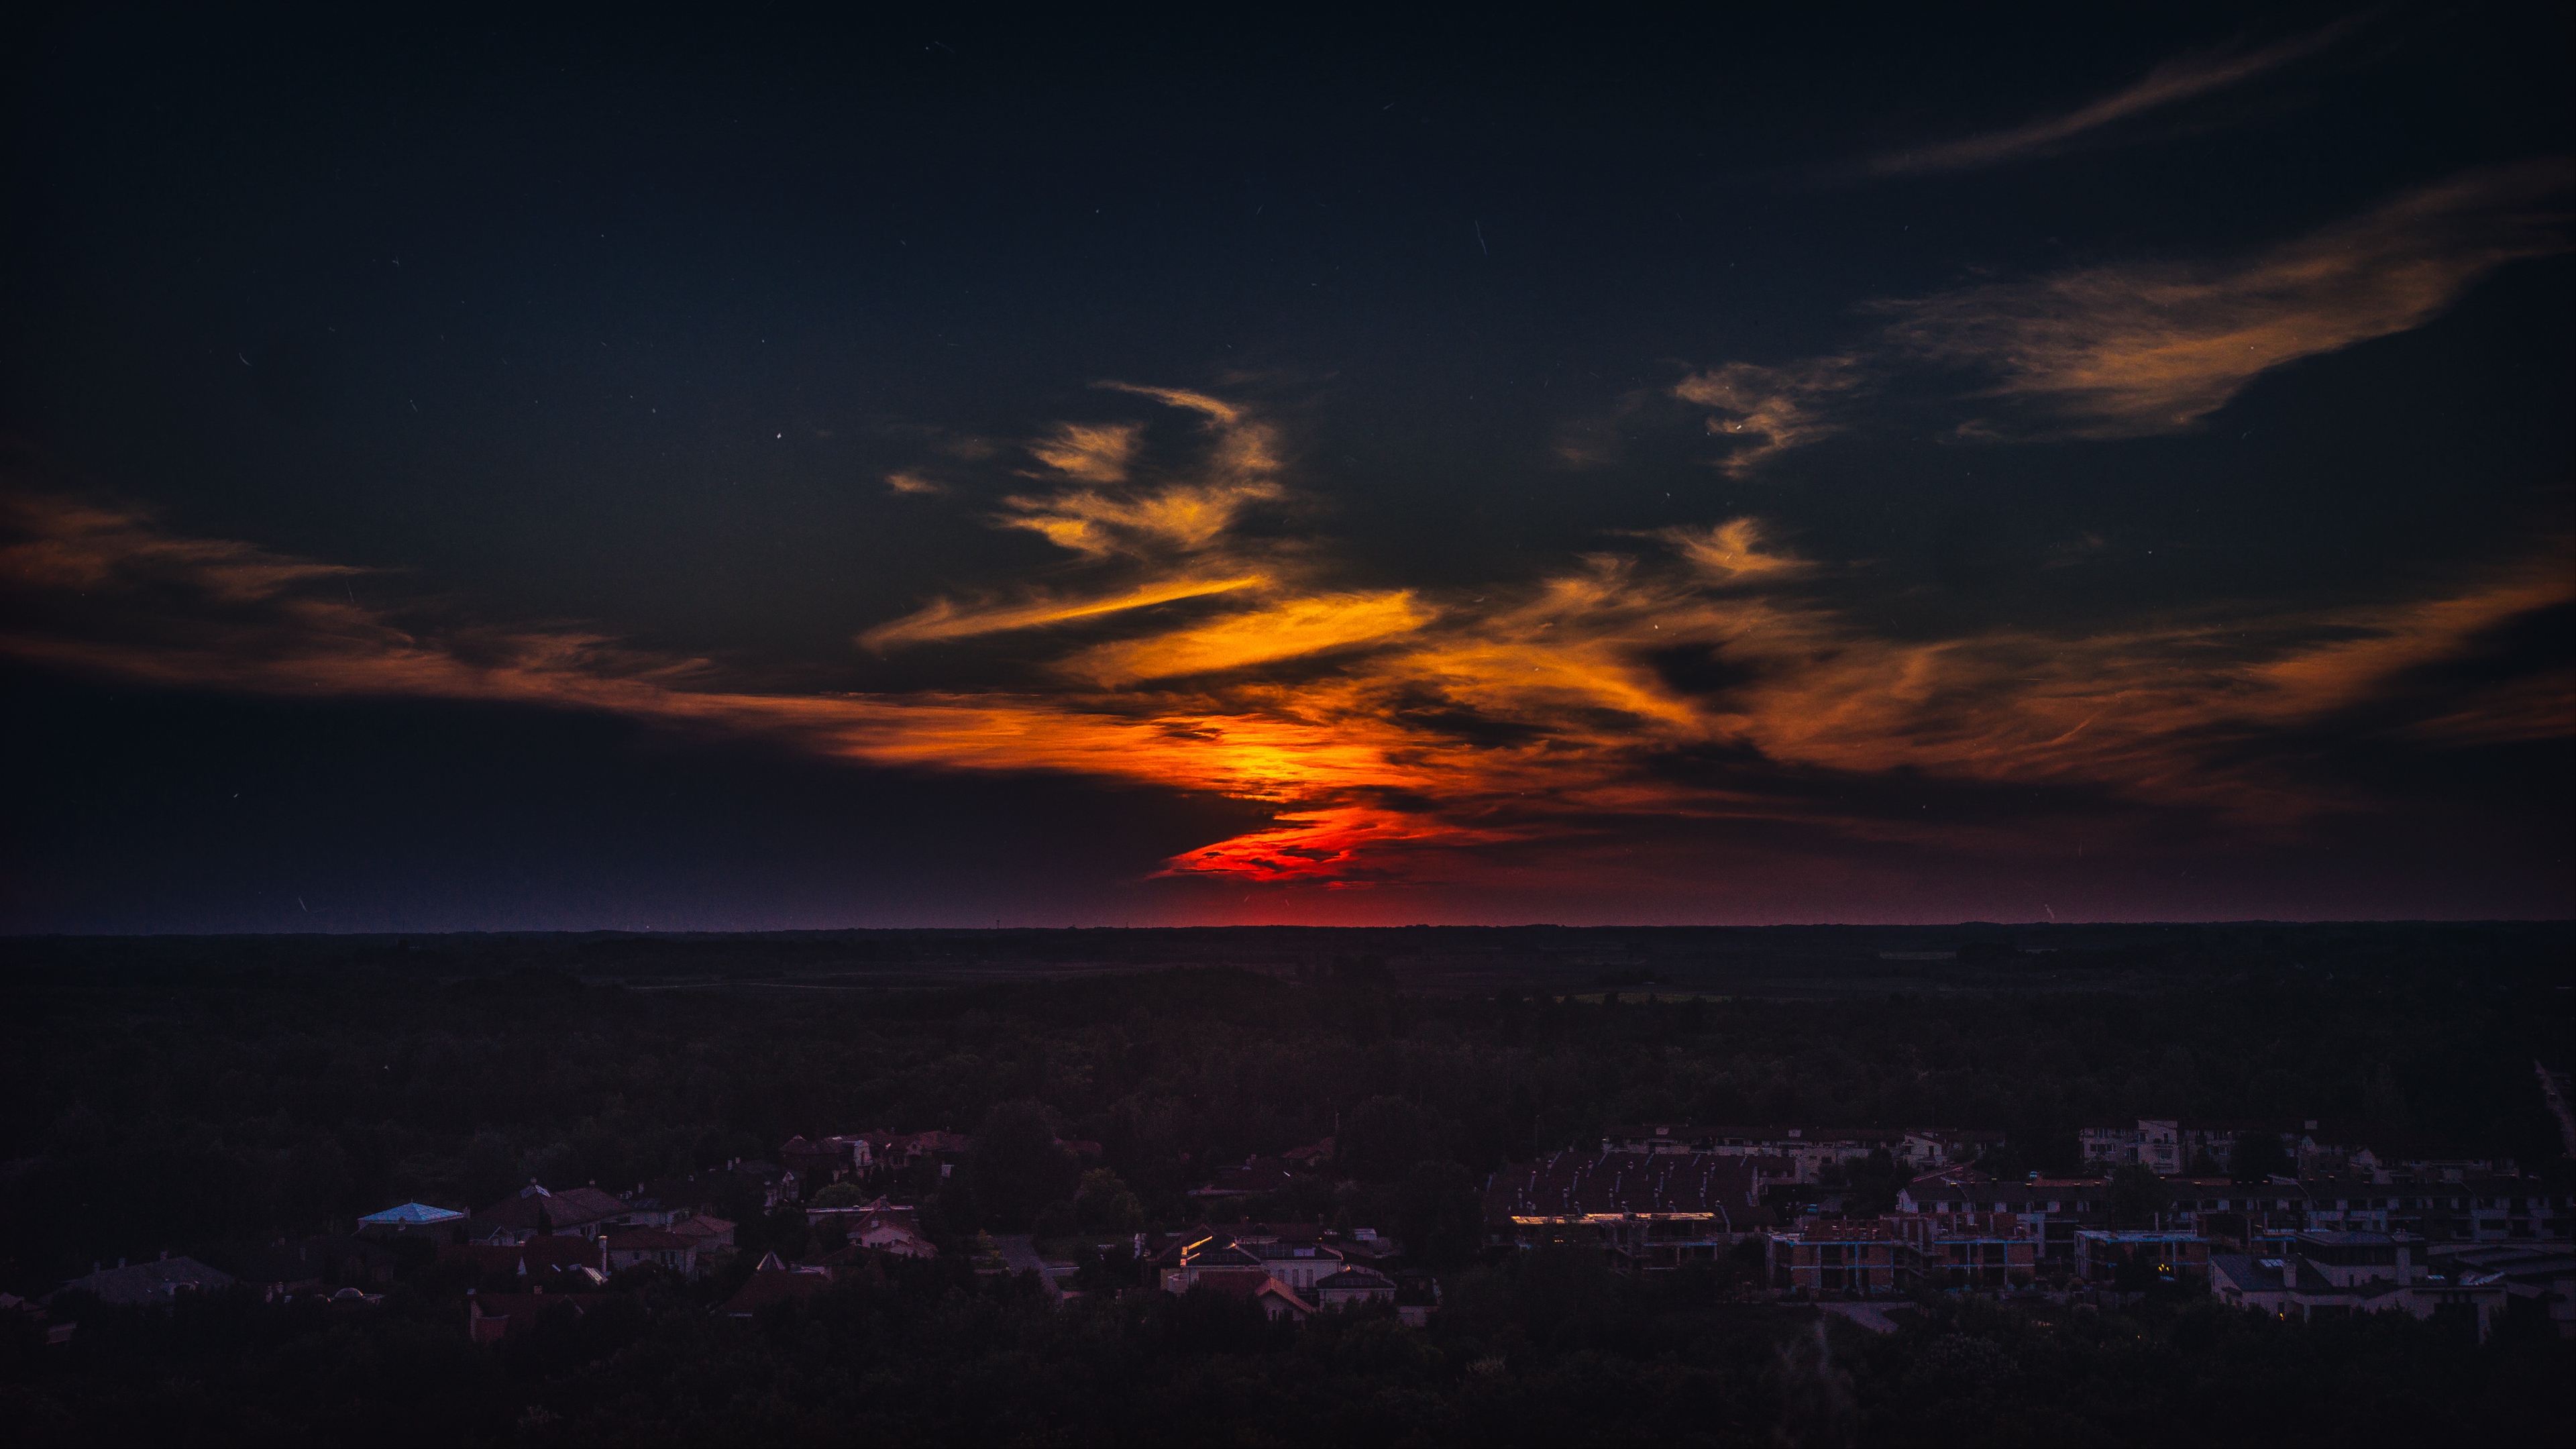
[2323,1273]
[1652,1211]
[2376,1151]
[1900,1254]
[2495,1209]
[1807,1151]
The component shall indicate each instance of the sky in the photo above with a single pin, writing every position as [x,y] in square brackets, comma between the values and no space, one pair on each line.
[767,468]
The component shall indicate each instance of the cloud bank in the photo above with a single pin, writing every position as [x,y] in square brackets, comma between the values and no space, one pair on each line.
[1402,737]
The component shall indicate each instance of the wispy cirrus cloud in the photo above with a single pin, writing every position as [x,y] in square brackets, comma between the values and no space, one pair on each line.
[2181,79]
[2137,349]
[2133,350]
[1765,411]
[1403,737]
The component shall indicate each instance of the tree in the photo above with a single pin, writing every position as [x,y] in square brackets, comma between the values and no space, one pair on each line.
[1017,1166]
[2137,1195]
[1438,1215]
[1385,1136]
[839,1195]
[2258,1156]
[1105,1204]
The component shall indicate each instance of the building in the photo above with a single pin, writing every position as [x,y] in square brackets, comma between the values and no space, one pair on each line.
[1299,1265]
[2541,1273]
[1275,1299]
[2375,1151]
[1654,1211]
[160,1280]
[410,1215]
[1354,1286]
[1836,1256]
[1179,1267]
[623,1248]
[774,1282]
[2100,1254]
[2324,1274]
[711,1232]
[2053,1210]
[491,1317]
[535,1210]
[563,1262]
[1964,1250]
[1807,1151]
[895,1231]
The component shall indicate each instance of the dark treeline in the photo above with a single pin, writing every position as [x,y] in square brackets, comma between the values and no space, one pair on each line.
[170,1111]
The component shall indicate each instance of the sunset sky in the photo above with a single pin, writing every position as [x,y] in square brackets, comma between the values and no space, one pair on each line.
[1867,465]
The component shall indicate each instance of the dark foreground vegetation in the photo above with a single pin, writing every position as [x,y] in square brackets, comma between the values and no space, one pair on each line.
[161,1104]
[1546,1349]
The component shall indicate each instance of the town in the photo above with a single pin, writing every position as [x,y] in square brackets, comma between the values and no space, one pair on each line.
[550,1186]
[2352,1222]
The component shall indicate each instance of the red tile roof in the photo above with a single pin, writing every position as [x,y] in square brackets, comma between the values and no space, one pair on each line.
[543,1258]
[775,1282]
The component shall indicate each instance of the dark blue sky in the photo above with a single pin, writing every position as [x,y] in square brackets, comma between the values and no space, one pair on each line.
[607,470]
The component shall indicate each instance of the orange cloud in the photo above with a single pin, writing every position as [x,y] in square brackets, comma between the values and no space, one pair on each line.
[2172,82]
[1413,738]
[1092,454]
[2134,350]
[946,619]
[2138,349]
[1262,636]
[1769,410]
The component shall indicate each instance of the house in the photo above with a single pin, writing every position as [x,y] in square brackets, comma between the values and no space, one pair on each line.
[623,1248]
[561,1261]
[536,1210]
[491,1317]
[159,1280]
[1353,1286]
[2100,1254]
[711,1232]
[1417,1297]
[899,1151]
[828,1159]
[1654,1211]
[2327,1274]
[895,1231]
[410,1215]
[773,1282]
[1297,1265]
[1312,1157]
[1180,1266]
[882,1225]
[1836,1256]
[1275,1299]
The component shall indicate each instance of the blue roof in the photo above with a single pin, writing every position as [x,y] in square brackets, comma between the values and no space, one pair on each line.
[413,1212]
